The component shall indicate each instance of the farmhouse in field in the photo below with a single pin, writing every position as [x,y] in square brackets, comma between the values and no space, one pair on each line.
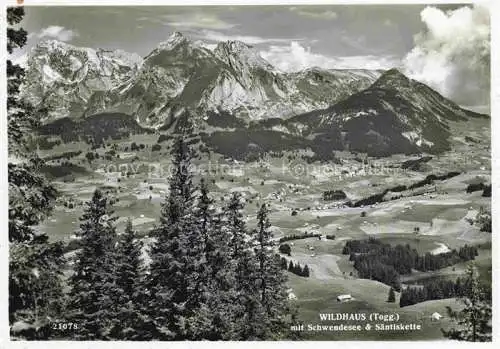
[406,286]
[436,316]
[291,295]
[344,298]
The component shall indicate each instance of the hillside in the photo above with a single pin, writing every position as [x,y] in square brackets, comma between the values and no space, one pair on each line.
[394,114]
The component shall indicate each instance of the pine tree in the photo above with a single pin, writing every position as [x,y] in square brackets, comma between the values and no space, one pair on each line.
[474,321]
[178,259]
[215,319]
[31,197]
[129,267]
[129,321]
[35,265]
[93,296]
[458,287]
[214,279]
[284,264]
[297,269]
[35,288]
[272,281]
[305,271]
[403,298]
[392,296]
[247,309]
[208,229]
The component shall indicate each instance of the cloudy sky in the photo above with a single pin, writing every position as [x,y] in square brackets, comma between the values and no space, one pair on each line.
[446,46]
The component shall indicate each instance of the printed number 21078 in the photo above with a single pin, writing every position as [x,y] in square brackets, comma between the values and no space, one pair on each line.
[64,326]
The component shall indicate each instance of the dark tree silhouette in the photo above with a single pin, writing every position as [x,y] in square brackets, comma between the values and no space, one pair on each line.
[474,321]
[93,297]
[392,296]
[35,264]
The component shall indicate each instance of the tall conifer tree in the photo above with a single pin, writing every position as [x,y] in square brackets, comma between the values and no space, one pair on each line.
[272,281]
[35,265]
[130,322]
[248,314]
[216,314]
[475,320]
[177,255]
[93,297]
[391,298]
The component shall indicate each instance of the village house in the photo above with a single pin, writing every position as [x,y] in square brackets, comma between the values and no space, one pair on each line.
[436,316]
[344,298]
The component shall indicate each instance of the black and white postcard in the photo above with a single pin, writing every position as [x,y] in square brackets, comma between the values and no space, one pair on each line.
[280,172]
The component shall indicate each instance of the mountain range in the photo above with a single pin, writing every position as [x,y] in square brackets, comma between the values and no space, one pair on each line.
[231,90]
[180,75]
[395,112]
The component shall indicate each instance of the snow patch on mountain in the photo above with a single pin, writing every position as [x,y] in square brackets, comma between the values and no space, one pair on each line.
[417,139]
[50,75]
[65,77]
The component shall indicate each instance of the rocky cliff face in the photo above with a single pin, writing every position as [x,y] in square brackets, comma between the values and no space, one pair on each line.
[66,77]
[180,75]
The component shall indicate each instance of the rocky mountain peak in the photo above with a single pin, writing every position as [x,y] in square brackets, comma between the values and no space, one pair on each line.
[238,53]
[51,45]
[176,39]
[65,77]
[50,49]
[231,47]
[177,50]
[55,47]
[392,78]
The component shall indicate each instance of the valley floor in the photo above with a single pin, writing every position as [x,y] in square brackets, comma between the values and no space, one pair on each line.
[440,212]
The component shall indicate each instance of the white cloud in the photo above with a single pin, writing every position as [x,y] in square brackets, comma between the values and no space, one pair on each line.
[296,57]
[247,39]
[56,32]
[196,20]
[453,54]
[315,13]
